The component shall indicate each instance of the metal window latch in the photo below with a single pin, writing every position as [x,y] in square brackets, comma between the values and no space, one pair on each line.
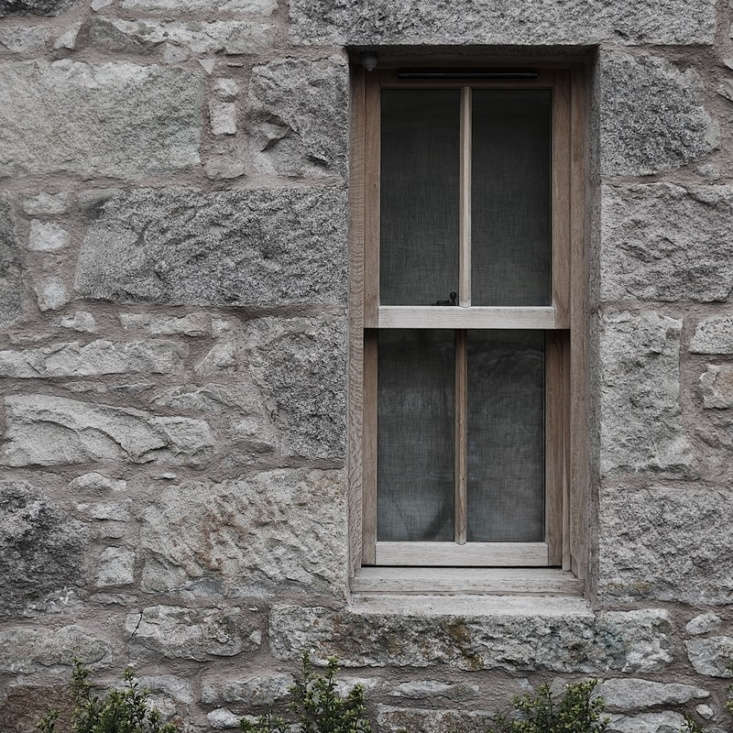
[453,298]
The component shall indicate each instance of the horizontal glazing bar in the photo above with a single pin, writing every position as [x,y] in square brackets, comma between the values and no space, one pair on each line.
[540,317]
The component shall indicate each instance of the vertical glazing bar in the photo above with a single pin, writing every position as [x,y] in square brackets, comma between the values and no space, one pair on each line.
[369,447]
[461,424]
[372,158]
[464,268]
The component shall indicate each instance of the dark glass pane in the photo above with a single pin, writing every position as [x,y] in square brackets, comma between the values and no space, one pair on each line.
[510,198]
[506,436]
[415,435]
[419,196]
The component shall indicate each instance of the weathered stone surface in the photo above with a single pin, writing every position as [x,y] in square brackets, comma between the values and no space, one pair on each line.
[96,482]
[297,116]
[664,722]
[225,88]
[260,7]
[93,359]
[705,712]
[45,430]
[198,37]
[419,637]
[47,236]
[44,203]
[250,247]
[417,720]
[82,321]
[434,689]
[465,22]
[106,511]
[175,687]
[223,719]
[716,386]
[222,117]
[703,623]
[652,116]
[649,544]
[711,655]
[192,324]
[713,335]
[11,283]
[249,690]
[116,567]
[640,390]
[51,293]
[25,649]
[114,119]
[621,695]
[41,550]
[34,7]
[666,242]
[22,38]
[185,633]
[281,529]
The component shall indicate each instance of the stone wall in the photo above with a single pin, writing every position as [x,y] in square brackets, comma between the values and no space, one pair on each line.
[173,288]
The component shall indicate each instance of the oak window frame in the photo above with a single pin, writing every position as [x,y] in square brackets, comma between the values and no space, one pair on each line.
[566,540]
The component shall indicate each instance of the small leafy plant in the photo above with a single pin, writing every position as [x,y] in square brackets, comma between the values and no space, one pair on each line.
[577,711]
[317,706]
[120,711]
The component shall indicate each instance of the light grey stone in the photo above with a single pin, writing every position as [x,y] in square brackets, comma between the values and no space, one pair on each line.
[711,655]
[67,39]
[467,22]
[116,567]
[418,636]
[705,712]
[34,7]
[92,108]
[11,283]
[197,37]
[92,359]
[257,7]
[25,649]
[620,695]
[185,633]
[106,511]
[417,720]
[278,530]
[223,166]
[223,117]
[51,293]
[98,482]
[249,247]
[250,690]
[22,38]
[223,719]
[297,116]
[664,722]
[713,335]
[45,430]
[41,550]
[225,88]
[433,689]
[192,324]
[667,242]
[44,203]
[640,392]
[703,623]
[179,689]
[716,385]
[650,544]
[80,321]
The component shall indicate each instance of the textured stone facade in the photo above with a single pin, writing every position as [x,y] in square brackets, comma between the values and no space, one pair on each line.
[173,363]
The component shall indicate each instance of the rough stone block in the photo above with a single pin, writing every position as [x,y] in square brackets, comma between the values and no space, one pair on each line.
[716,386]
[649,545]
[279,530]
[186,633]
[666,242]
[713,335]
[620,695]
[652,116]
[249,690]
[46,204]
[47,236]
[703,623]
[79,118]
[96,482]
[665,722]
[23,39]
[260,7]
[249,247]
[92,359]
[41,550]
[175,687]
[82,321]
[711,655]
[11,283]
[34,7]
[434,689]
[297,113]
[46,430]
[640,388]
[540,639]
[116,567]
[416,720]
[223,117]
[192,324]
[51,293]
[466,22]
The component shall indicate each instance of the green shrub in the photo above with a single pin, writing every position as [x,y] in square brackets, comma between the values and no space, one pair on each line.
[577,711]
[317,706]
[120,711]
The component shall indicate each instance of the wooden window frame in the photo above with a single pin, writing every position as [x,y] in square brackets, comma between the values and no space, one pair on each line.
[565,357]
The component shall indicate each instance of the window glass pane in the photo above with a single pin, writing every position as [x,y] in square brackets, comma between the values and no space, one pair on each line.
[415,435]
[419,196]
[506,436]
[510,197]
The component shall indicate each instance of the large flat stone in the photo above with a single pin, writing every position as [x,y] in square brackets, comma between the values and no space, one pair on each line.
[466,22]
[279,530]
[420,720]
[580,642]
[716,387]
[47,431]
[250,690]
[666,242]
[713,335]
[711,655]
[34,7]
[665,722]
[41,550]
[297,116]
[641,427]
[652,116]
[623,694]
[249,247]
[261,7]
[11,281]
[110,119]
[650,548]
